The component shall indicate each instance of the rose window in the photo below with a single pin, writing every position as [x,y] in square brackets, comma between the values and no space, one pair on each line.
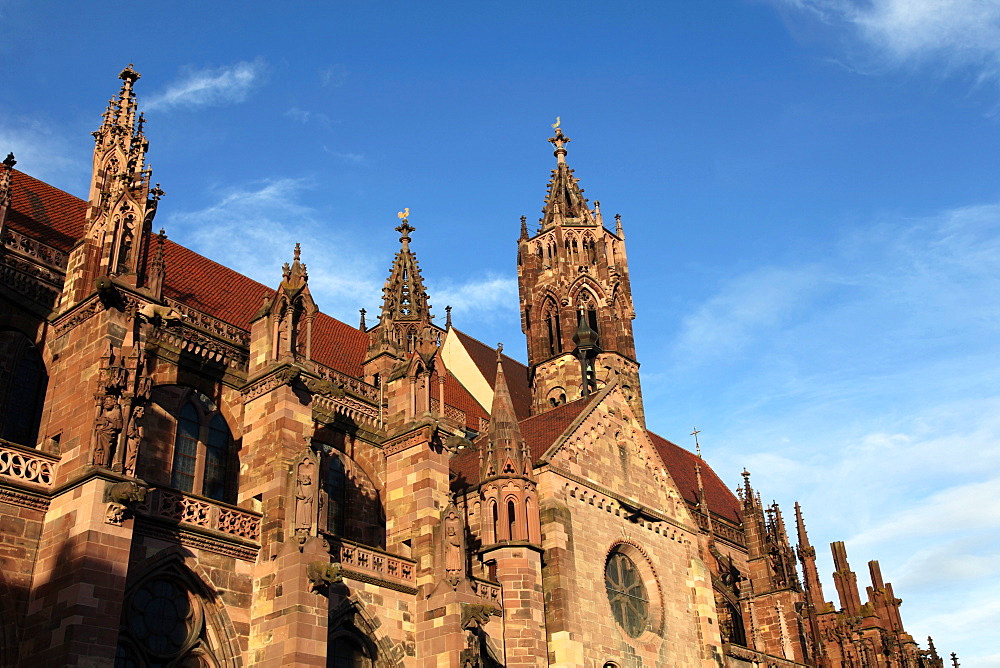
[627,594]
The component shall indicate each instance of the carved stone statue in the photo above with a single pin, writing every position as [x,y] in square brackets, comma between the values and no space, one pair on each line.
[305,495]
[132,439]
[453,558]
[107,427]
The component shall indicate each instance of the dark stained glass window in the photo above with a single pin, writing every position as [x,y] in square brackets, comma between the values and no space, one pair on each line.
[185,449]
[627,594]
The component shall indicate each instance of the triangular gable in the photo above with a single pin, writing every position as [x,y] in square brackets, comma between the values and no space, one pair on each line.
[607,444]
[474,364]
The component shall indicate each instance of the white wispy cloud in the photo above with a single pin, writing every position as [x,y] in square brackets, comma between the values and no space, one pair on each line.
[481,299]
[42,152]
[953,34]
[253,230]
[746,307]
[866,387]
[347,156]
[333,76]
[211,86]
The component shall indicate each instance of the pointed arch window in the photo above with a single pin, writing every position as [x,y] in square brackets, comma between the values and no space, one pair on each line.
[335,486]
[588,306]
[23,383]
[166,622]
[511,520]
[553,331]
[182,474]
[202,460]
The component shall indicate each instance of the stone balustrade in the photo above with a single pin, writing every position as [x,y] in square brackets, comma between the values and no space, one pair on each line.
[27,465]
[373,562]
[489,592]
[170,505]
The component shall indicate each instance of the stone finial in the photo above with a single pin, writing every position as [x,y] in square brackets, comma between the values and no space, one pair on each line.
[9,161]
[618,226]
[559,141]
[524,228]
[363,326]
[447,317]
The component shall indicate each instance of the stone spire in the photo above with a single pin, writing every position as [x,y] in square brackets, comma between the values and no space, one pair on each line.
[506,454]
[405,322]
[564,201]
[122,201]
[846,580]
[404,298]
[573,283]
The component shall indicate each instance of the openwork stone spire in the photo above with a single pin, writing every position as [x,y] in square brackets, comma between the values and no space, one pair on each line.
[404,297]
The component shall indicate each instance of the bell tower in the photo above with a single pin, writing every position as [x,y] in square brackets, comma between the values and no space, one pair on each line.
[576,301]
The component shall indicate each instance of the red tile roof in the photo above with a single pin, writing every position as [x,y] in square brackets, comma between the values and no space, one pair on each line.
[680,463]
[541,431]
[45,213]
[230,296]
[52,216]
[485,359]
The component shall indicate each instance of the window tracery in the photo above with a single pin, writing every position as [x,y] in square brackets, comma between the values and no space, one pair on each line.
[164,624]
[203,454]
[627,594]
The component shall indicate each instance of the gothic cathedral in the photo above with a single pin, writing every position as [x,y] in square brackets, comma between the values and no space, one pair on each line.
[200,470]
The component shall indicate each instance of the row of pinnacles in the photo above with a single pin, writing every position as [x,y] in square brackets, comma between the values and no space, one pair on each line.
[196,469]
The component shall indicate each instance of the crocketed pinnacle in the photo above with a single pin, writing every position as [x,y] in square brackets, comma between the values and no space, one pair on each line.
[505,453]
[404,297]
[294,276]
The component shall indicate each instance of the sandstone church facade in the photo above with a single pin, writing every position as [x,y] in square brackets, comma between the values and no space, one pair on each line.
[200,470]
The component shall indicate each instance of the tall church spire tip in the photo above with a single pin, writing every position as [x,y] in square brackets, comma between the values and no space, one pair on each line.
[559,141]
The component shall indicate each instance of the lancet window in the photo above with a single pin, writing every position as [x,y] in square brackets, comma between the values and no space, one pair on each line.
[202,460]
[553,331]
[22,388]
[588,306]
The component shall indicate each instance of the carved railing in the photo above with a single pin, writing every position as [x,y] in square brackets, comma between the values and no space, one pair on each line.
[450,411]
[26,464]
[35,282]
[484,425]
[169,505]
[719,528]
[351,407]
[348,382]
[374,562]
[211,325]
[192,340]
[489,592]
[41,252]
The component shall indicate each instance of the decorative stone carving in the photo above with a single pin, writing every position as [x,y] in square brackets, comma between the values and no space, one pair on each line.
[322,574]
[304,492]
[124,497]
[107,427]
[477,615]
[158,315]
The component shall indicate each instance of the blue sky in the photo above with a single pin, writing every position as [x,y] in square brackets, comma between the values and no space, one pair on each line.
[808,188]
